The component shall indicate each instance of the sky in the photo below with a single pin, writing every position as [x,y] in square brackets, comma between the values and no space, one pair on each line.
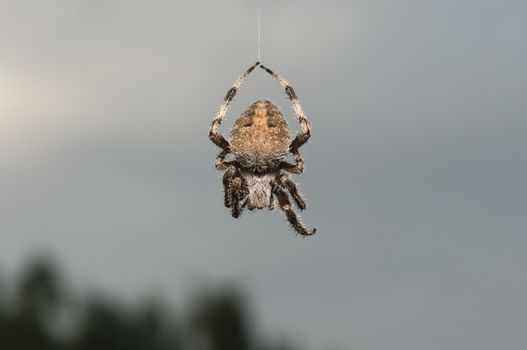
[415,172]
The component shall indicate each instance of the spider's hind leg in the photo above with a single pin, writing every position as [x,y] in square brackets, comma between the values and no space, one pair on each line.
[286,182]
[291,216]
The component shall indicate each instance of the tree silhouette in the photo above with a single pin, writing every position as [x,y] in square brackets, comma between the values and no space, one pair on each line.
[222,320]
[23,327]
[29,320]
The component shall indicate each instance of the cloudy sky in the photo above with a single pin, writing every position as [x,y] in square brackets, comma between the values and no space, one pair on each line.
[415,174]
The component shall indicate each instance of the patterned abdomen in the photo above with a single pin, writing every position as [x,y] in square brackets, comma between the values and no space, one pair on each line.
[260,137]
[259,189]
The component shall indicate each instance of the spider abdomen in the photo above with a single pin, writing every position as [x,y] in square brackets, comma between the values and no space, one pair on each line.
[259,187]
[260,137]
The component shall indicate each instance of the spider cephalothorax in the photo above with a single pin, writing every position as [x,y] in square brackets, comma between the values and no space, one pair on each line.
[260,142]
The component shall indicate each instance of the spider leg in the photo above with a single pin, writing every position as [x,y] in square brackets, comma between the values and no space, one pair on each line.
[271,202]
[305,129]
[221,164]
[230,170]
[227,188]
[286,182]
[214,134]
[234,186]
[235,192]
[238,193]
[296,168]
[285,205]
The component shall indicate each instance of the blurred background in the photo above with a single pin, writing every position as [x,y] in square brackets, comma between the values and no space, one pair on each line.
[113,233]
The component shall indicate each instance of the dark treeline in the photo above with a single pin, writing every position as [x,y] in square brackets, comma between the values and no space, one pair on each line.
[37,312]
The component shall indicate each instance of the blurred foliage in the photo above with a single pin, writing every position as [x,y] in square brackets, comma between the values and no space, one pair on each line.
[38,313]
[222,319]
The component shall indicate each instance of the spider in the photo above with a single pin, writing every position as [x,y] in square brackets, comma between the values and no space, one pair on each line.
[260,142]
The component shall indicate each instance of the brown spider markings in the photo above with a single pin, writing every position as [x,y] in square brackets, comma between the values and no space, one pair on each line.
[260,137]
[260,141]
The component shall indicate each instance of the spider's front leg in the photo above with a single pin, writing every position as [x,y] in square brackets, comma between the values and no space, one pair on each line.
[285,205]
[305,129]
[214,134]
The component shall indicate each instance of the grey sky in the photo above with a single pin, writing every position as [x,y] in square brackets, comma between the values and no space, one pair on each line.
[415,174]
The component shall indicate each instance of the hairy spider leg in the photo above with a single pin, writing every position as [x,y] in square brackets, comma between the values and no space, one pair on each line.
[238,190]
[214,134]
[229,168]
[234,187]
[285,205]
[296,168]
[305,129]
[286,182]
